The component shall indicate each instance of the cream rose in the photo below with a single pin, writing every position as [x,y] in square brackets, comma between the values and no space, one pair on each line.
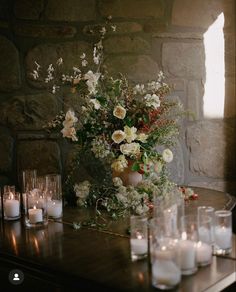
[69,133]
[119,112]
[118,136]
[96,103]
[142,137]
[70,119]
[167,155]
[130,149]
[130,133]
[119,164]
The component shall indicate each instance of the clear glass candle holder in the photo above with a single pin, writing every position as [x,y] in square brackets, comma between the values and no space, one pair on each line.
[11,204]
[36,209]
[29,177]
[188,243]
[223,232]
[138,237]
[165,260]
[208,211]
[204,246]
[54,196]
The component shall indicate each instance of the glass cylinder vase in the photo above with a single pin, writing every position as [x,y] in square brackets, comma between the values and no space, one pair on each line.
[54,196]
[36,209]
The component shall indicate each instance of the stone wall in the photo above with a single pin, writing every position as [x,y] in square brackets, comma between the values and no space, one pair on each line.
[151,35]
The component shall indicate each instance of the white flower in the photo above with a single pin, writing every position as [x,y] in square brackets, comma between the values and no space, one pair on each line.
[55,88]
[82,192]
[118,136]
[84,63]
[117,181]
[96,103]
[70,119]
[113,27]
[83,56]
[130,133]
[103,30]
[119,112]
[96,59]
[167,155]
[139,89]
[92,80]
[130,149]
[142,137]
[37,66]
[152,100]
[35,74]
[153,85]
[59,62]
[119,164]
[69,133]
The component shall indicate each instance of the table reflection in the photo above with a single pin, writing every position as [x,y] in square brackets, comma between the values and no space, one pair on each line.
[13,233]
[45,242]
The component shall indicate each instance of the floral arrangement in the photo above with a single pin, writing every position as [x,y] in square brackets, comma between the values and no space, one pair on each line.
[125,126]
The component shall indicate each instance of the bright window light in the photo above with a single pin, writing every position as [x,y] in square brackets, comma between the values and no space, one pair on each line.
[214,94]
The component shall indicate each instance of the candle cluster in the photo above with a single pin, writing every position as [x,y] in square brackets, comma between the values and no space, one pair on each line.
[41,198]
[180,246]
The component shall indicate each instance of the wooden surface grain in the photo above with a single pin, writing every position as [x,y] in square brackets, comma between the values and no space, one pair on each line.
[89,258]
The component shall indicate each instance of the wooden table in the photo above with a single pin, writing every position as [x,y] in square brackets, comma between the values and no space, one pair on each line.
[60,258]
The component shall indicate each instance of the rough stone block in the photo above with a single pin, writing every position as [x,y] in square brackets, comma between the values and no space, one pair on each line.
[195,94]
[230,98]
[71,10]
[45,31]
[28,9]
[29,112]
[176,167]
[46,54]
[126,44]
[139,68]
[42,155]
[121,28]
[184,59]
[6,151]
[195,13]
[176,84]
[132,8]
[212,148]
[154,26]
[10,67]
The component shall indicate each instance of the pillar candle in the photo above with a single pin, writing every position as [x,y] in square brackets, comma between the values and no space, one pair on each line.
[12,208]
[35,215]
[54,208]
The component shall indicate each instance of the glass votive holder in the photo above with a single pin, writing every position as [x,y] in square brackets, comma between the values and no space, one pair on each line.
[165,258]
[54,196]
[36,209]
[138,237]
[11,204]
[187,244]
[29,177]
[223,232]
[208,211]
[28,180]
[204,245]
